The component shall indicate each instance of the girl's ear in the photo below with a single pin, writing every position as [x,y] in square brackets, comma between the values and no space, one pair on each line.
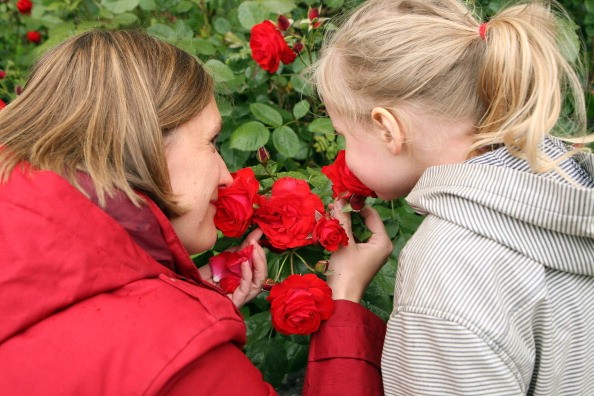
[390,128]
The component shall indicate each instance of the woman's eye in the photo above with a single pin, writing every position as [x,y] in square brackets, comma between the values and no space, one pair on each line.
[214,142]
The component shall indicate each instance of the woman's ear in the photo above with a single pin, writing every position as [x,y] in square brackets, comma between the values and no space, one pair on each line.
[390,128]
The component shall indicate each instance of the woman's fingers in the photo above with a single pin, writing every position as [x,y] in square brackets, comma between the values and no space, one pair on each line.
[253,237]
[259,265]
[242,292]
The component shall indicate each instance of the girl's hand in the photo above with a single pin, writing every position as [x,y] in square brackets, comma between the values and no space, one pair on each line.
[252,277]
[353,267]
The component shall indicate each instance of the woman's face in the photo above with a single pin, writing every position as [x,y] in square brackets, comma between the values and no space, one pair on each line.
[196,171]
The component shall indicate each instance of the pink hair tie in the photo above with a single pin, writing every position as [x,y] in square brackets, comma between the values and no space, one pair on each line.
[483,30]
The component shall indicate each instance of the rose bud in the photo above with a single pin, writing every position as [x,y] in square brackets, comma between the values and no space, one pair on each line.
[321,266]
[298,47]
[263,156]
[313,13]
[283,22]
[357,202]
[34,37]
[18,90]
[267,284]
[24,6]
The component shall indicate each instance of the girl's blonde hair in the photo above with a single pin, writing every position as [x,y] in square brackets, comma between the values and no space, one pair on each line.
[429,53]
[101,102]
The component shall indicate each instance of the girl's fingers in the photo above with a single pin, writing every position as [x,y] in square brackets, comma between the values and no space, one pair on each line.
[343,218]
[373,221]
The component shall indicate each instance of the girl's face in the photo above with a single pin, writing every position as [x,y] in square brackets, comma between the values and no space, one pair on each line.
[196,171]
[370,159]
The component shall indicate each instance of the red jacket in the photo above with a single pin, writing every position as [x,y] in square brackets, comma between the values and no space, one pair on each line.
[85,310]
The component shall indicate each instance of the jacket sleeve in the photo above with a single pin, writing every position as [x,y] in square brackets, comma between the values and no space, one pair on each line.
[223,371]
[428,355]
[345,354]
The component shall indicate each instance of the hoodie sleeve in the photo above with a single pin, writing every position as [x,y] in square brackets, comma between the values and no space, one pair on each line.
[345,354]
[429,355]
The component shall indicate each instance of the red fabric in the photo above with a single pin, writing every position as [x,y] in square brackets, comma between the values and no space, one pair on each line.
[345,354]
[85,310]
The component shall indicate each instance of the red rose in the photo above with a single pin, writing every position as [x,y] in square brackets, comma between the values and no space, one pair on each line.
[235,204]
[226,267]
[24,6]
[2,104]
[34,37]
[269,47]
[344,183]
[330,234]
[300,303]
[2,74]
[288,217]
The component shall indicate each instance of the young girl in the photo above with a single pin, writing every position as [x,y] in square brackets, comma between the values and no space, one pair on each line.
[495,291]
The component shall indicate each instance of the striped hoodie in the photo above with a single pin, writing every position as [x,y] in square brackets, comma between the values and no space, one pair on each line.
[495,291]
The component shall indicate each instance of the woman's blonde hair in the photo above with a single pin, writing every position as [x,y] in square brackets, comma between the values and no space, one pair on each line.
[101,102]
[511,84]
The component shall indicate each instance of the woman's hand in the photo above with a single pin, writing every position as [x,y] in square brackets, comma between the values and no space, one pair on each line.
[353,267]
[252,277]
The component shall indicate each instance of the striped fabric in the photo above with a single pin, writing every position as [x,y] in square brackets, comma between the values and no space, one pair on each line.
[495,291]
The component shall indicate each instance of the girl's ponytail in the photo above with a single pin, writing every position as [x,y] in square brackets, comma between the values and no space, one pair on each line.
[523,82]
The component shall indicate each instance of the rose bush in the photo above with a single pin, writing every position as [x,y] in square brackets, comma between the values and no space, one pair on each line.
[277,110]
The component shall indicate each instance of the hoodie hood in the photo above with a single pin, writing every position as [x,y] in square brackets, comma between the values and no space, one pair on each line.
[543,216]
[57,248]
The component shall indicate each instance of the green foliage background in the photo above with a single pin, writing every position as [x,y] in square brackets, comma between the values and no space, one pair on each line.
[278,110]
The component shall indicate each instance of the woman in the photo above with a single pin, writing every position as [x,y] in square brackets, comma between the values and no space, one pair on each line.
[109,170]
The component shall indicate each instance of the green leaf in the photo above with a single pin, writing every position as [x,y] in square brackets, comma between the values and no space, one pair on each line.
[182,30]
[258,326]
[266,114]
[296,355]
[301,85]
[162,32]
[184,6]
[221,25]
[125,19]
[268,355]
[250,136]
[278,6]
[250,13]
[120,6]
[203,46]
[286,141]
[334,3]
[220,71]
[148,5]
[321,125]
[301,109]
